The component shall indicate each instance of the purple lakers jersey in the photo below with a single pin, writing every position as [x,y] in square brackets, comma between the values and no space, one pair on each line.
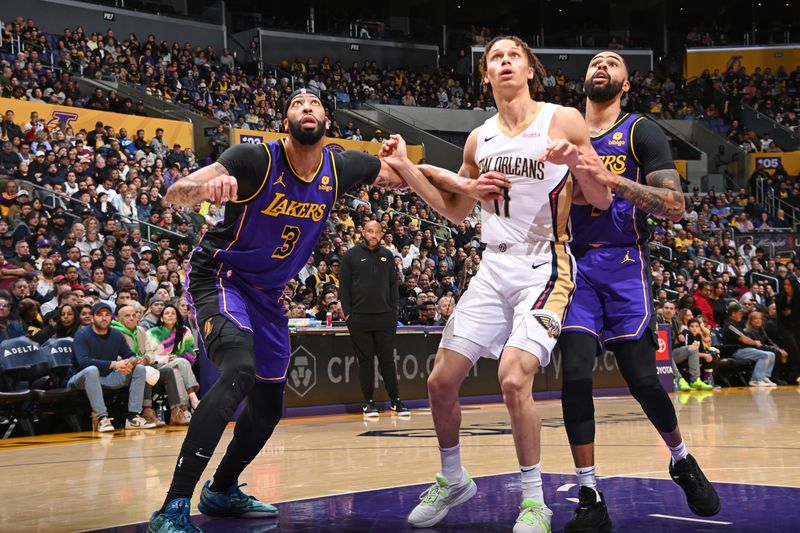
[622,224]
[277,228]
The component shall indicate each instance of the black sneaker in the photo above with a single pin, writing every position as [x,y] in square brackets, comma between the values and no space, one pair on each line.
[399,408]
[700,494]
[591,516]
[369,410]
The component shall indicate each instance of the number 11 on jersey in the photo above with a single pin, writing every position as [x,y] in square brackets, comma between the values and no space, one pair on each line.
[506,201]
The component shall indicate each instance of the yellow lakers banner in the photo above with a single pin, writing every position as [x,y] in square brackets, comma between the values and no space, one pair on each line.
[79,118]
[750,57]
[415,152]
[771,161]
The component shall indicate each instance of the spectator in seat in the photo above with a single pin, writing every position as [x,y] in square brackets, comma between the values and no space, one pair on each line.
[427,314]
[682,350]
[755,330]
[10,328]
[65,323]
[105,360]
[445,308]
[702,303]
[127,323]
[748,349]
[173,346]
[153,315]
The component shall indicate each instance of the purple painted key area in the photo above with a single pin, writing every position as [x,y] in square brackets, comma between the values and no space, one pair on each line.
[631,501]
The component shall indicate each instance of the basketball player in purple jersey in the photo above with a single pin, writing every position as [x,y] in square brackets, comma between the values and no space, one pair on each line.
[277,197]
[612,305]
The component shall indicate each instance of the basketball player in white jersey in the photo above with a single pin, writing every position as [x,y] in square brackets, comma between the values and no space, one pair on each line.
[520,165]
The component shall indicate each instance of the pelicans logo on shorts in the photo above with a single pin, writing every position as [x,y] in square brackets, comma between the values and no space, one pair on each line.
[549,323]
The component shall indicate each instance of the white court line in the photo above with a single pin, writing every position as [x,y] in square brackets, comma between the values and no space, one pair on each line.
[565,487]
[691,519]
[644,475]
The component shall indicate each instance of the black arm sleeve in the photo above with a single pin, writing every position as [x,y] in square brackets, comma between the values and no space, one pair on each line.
[247,163]
[651,147]
[355,167]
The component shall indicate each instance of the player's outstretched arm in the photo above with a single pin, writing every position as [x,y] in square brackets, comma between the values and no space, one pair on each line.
[456,206]
[208,183]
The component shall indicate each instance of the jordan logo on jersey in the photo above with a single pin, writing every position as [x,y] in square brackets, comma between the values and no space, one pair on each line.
[279,181]
[628,257]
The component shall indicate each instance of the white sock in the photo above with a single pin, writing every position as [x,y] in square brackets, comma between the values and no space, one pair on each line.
[194,400]
[586,478]
[679,452]
[532,482]
[451,464]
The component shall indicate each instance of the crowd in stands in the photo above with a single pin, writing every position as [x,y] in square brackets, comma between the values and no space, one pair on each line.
[85,233]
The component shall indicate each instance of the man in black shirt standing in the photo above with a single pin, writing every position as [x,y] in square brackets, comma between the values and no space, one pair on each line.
[369,293]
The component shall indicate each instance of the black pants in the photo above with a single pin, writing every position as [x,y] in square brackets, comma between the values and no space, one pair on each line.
[370,340]
[637,364]
[790,370]
[232,350]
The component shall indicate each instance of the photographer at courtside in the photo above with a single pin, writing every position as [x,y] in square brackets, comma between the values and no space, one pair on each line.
[368,293]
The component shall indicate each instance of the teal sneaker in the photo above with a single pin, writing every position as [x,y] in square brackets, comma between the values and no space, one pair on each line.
[439,498]
[534,517]
[233,503]
[173,519]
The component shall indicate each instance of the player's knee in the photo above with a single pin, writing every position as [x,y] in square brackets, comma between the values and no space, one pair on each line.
[515,388]
[578,352]
[441,386]
[645,387]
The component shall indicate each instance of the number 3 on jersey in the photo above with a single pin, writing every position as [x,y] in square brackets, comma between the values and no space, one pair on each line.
[290,235]
[506,201]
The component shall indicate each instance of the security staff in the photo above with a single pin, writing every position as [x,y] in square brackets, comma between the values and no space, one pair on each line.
[368,292]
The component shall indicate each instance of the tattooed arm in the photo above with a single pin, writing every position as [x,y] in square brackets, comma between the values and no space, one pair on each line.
[209,183]
[661,197]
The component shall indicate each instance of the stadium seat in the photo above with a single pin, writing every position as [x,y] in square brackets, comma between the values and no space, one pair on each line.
[56,404]
[732,372]
[16,399]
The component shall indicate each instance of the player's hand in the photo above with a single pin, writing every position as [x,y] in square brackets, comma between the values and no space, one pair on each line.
[388,147]
[594,166]
[396,147]
[490,186]
[221,189]
[561,152]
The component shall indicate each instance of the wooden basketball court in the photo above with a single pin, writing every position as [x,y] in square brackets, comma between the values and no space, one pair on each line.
[85,481]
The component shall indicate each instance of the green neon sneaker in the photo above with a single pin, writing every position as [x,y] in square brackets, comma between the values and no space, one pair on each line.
[439,498]
[699,384]
[683,385]
[534,517]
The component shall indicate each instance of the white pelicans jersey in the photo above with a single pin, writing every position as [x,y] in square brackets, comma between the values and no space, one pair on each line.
[536,208]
